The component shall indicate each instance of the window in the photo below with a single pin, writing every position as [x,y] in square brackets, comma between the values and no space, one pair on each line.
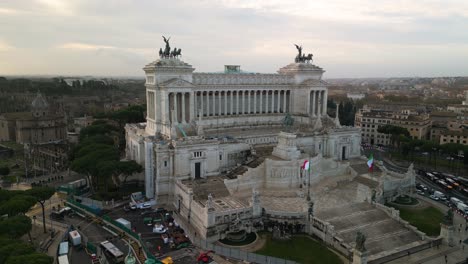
[197,154]
[165,163]
[220,157]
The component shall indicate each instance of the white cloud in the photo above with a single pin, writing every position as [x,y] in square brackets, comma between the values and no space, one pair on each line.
[8,11]
[5,46]
[60,7]
[372,37]
[83,46]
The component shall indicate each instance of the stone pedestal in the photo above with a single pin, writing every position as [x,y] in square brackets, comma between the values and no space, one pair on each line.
[446,232]
[287,147]
[360,257]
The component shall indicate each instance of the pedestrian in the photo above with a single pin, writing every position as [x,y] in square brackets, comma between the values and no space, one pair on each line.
[446,260]
[408,253]
[460,241]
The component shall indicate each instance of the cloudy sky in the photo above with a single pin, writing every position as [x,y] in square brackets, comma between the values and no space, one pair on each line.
[349,38]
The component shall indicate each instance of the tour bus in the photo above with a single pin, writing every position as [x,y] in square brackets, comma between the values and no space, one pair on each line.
[112,252]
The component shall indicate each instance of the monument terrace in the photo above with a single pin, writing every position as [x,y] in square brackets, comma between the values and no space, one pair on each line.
[225,150]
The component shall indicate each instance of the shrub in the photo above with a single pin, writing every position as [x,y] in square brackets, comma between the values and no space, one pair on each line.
[4,170]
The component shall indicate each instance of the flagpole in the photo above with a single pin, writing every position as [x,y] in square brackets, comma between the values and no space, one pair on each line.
[308,183]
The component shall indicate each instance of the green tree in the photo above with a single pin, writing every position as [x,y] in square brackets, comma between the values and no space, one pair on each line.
[16,226]
[127,168]
[18,204]
[10,247]
[87,161]
[4,170]
[395,133]
[33,258]
[107,169]
[41,194]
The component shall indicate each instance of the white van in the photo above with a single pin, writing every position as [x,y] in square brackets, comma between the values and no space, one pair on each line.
[462,207]
[455,201]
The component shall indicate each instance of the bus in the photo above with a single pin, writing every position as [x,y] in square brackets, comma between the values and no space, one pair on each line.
[63,259]
[112,252]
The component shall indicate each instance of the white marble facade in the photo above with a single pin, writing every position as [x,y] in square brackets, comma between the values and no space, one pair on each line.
[203,124]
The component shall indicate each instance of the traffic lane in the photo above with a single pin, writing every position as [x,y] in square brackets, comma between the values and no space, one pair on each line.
[95,234]
[435,186]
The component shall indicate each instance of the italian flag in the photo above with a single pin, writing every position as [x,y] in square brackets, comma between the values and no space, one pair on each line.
[306,165]
[370,162]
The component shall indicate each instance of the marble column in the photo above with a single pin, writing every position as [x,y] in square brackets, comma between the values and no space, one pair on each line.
[324,102]
[237,102]
[208,104]
[313,103]
[255,101]
[248,101]
[278,102]
[266,101]
[319,101]
[202,104]
[220,105]
[284,101]
[214,103]
[183,108]
[176,108]
[261,102]
[193,108]
[231,102]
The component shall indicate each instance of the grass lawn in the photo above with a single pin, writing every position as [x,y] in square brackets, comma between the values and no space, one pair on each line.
[301,249]
[426,220]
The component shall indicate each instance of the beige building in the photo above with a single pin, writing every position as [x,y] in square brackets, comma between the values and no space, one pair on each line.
[370,119]
[454,132]
[42,132]
[454,136]
[37,126]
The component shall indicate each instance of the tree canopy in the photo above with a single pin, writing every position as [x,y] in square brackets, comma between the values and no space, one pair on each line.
[397,133]
[16,224]
[98,157]
[15,227]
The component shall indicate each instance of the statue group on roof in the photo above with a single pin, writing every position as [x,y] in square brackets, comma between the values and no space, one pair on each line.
[302,57]
[167,52]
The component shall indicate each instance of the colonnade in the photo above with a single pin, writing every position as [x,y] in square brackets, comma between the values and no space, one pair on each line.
[184,106]
[241,102]
[179,107]
[318,103]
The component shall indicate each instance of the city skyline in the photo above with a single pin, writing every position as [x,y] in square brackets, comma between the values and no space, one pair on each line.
[349,39]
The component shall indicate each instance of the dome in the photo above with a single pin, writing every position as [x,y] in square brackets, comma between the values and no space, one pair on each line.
[39,103]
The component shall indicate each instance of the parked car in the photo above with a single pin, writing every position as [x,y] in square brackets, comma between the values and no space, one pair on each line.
[464,191]
[145,206]
[433,197]
[159,229]
[423,187]
[56,215]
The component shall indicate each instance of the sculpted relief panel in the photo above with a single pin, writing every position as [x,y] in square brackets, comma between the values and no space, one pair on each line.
[281,172]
